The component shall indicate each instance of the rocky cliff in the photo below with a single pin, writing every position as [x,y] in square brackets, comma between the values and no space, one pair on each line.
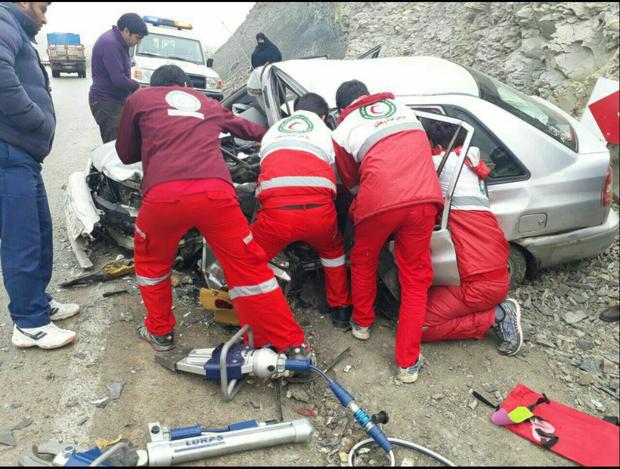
[554,50]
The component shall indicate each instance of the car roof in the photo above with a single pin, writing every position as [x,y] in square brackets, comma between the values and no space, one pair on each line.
[403,76]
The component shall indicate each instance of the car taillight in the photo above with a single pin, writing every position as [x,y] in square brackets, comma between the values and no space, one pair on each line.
[219,85]
[607,194]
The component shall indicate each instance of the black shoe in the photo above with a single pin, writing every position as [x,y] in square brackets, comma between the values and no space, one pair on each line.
[508,329]
[160,343]
[341,316]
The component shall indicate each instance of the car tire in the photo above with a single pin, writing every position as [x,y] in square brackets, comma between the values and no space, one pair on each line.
[55,74]
[517,266]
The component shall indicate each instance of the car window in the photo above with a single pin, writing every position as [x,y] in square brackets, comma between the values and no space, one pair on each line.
[505,167]
[524,107]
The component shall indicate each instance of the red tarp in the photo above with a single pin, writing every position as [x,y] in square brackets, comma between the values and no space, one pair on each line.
[584,439]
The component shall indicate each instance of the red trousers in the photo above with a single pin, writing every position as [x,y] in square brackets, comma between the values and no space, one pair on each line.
[274,229]
[255,293]
[412,228]
[466,311]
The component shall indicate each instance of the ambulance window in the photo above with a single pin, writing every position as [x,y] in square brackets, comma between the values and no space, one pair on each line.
[504,165]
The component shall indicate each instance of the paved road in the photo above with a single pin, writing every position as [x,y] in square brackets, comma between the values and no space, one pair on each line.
[56,389]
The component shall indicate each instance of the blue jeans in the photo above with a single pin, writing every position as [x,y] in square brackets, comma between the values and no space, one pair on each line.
[26,243]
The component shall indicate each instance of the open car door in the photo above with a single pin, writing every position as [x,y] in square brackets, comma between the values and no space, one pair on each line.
[372,53]
[445,268]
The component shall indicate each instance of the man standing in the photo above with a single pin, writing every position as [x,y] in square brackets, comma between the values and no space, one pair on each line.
[27,124]
[175,131]
[384,157]
[111,69]
[296,191]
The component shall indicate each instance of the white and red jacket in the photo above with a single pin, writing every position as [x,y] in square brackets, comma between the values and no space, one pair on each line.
[384,157]
[297,159]
[479,242]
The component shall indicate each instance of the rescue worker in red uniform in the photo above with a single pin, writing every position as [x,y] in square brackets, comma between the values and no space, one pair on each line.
[174,131]
[384,157]
[468,311]
[296,190]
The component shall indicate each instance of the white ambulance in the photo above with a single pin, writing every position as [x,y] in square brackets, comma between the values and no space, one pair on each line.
[171,42]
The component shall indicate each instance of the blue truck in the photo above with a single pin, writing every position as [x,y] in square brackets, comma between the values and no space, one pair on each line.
[66,54]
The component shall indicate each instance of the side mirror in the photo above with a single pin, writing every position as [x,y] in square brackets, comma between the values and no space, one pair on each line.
[210,63]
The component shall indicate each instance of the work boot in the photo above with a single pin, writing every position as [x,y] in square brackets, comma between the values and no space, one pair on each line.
[508,327]
[161,343]
[410,375]
[359,332]
[341,316]
[46,337]
[59,311]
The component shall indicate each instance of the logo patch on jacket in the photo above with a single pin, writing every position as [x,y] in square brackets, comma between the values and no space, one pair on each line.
[379,110]
[296,125]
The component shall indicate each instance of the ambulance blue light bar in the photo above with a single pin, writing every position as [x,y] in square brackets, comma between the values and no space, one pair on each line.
[164,22]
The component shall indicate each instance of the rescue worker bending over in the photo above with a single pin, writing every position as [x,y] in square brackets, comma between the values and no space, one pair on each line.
[469,310]
[383,156]
[174,131]
[296,191]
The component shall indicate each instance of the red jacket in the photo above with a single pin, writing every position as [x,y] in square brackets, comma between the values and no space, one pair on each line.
[384,156]
[175,132]
[297,155]
[479,242]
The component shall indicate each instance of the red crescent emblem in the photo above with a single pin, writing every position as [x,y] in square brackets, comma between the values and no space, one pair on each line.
[293,124]
[372,109]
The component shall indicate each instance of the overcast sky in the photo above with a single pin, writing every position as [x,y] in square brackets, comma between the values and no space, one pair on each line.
[89,20]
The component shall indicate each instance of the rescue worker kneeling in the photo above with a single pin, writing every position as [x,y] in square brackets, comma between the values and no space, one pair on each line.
[383,155]
[174,131]
[479,303]
[296,191]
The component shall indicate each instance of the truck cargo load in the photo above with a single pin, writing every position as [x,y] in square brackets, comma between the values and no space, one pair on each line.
[66,54]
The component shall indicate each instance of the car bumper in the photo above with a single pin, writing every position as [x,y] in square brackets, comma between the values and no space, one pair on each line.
[573,245]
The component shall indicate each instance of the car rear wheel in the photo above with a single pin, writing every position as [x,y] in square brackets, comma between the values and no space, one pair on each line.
[517,266]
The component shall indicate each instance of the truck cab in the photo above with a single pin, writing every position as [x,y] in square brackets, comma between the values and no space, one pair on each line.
[172,43]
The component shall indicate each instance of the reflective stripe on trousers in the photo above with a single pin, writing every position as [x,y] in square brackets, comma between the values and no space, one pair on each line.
[251,290]
[295,181]
[336,262]
[149,282]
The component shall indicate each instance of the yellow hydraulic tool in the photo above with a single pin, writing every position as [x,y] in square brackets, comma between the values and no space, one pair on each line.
[110,271]
[219,302]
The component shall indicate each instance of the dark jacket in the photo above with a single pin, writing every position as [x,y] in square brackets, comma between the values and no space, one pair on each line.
[175,132]
[27,117]
[111,68]
[265,52]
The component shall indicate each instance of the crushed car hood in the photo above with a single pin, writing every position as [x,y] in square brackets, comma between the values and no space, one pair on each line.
[106,160]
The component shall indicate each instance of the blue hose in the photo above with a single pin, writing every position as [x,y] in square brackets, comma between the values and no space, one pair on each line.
[348,402]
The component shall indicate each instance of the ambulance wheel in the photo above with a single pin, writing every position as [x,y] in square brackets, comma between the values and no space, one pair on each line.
[55,73]
[517,266]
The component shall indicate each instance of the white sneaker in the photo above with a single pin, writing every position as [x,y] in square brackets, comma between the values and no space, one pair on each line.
[359,332]
[61,311]
[46,337]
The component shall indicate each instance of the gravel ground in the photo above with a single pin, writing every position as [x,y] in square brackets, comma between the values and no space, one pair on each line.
[568,354]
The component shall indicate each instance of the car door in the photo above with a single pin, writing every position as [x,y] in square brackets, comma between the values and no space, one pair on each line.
[445,267]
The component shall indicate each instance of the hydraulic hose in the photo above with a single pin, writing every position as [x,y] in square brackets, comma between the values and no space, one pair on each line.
[347,401]
[405,444]
[123,445]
